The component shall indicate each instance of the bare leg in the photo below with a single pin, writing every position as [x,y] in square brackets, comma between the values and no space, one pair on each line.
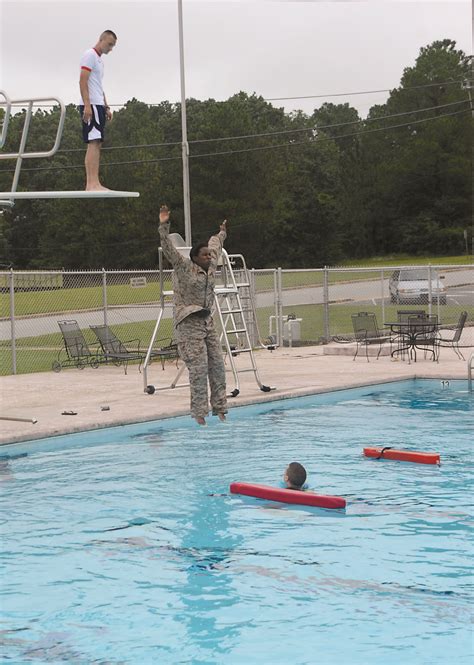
[92,162]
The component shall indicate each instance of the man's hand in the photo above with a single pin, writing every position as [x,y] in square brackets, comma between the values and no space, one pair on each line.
[87,114]
[223,226]
[108,113]
[164,214]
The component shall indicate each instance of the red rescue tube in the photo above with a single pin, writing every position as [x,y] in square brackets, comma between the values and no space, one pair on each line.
[402,455]
[287,496]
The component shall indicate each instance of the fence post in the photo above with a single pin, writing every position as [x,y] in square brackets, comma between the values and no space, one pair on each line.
[279,306]
[430,291]
[326,304]
[104,295]
[382,295]
[12,319]
[254,337]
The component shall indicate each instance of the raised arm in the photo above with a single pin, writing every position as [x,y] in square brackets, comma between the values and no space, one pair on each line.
[216,244]
[169,250]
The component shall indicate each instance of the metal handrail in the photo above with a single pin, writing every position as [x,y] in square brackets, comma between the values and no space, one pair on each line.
[469,372]
[31,102]
[8,104]
[22,154]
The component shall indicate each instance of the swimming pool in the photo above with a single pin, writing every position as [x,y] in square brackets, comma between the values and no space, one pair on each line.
[124,546]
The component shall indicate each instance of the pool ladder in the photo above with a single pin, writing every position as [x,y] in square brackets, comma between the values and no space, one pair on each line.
[469,372]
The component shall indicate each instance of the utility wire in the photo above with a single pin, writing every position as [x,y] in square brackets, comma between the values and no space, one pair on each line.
[320,96]
[258,148]
[329,138]
[365,92]
[276,133]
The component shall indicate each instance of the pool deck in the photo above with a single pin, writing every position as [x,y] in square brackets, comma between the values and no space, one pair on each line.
[293,372]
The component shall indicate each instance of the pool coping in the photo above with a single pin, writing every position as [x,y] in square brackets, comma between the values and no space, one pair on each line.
[297,372]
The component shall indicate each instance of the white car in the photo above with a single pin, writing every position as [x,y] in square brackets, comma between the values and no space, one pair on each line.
[412,285]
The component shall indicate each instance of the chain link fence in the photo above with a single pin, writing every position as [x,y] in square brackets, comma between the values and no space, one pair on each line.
[293,307]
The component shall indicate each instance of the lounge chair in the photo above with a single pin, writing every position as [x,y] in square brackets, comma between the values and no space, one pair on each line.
[453,341]
[78,353]
[116,351]
[121,353]
[367,332]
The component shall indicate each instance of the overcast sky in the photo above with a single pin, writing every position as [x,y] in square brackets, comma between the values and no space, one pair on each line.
[289,48]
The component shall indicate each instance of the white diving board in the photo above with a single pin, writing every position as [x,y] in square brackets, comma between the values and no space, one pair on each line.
[99,194]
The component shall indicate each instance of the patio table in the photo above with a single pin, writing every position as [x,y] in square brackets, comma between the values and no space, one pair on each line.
[416,335]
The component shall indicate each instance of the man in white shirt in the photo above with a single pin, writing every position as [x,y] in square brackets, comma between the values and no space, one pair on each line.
[93,106]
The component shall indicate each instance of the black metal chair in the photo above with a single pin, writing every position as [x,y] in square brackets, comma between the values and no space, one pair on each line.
[423,329]
[116,351]
[453,341]
[403,315]
[121,353]
[367,332]
[78,353]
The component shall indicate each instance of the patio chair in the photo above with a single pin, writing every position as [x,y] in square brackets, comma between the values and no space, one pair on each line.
[423,329]
[168,351]
[78,353]
[453,341]
[366,332]
[116,351]
[403,315]
[121,353]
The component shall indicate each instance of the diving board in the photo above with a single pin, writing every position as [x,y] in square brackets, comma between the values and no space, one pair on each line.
[99,194]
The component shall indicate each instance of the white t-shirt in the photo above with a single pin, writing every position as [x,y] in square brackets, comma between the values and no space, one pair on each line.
[92,62]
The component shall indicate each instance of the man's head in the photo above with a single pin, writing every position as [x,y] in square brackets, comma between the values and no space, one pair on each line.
[201,255]
[107,41]
[295,475]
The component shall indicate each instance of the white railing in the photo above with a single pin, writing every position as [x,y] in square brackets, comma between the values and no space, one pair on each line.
[22,154]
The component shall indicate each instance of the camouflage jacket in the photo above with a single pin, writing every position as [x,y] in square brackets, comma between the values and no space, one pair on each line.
[193,287]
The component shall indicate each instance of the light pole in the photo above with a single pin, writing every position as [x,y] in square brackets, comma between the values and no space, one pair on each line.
[184,134]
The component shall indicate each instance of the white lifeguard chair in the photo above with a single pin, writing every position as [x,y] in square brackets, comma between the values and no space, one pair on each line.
[7,199]
[232,315]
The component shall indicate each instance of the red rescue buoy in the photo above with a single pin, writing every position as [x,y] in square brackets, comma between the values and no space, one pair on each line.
[402,455]
[287,496]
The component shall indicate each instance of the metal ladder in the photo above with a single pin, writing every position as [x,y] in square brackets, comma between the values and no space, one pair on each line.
[232,317]
[235,319]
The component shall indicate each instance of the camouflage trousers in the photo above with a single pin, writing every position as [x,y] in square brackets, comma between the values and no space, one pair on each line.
[200,348]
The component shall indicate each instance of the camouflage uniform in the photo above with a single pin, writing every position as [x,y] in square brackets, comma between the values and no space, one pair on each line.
[196,336]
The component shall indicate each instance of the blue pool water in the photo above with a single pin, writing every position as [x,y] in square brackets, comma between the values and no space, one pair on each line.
[199,576]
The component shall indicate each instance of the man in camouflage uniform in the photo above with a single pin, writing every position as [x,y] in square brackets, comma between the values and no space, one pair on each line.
[196,336]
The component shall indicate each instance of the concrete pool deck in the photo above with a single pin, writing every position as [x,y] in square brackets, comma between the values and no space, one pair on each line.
[297,371]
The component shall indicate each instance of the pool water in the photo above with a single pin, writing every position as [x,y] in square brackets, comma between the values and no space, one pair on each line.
[124,546]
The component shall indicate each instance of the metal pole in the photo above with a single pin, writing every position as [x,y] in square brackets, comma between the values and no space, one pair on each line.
[326,304]
[279,307]
[104,296]
[184,134]
[382,294]
[12,319]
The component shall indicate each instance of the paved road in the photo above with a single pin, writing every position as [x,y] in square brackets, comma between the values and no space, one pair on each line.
[459,285]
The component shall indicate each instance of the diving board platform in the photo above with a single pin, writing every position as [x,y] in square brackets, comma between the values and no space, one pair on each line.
[99,194]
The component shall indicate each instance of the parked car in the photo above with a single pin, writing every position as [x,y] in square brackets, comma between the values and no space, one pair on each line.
[412,285]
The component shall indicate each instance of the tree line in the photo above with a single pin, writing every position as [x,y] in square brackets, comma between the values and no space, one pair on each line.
[298,190]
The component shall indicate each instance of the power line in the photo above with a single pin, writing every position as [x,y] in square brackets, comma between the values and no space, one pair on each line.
[258,148]
[276,133]
[270,99]
[329,138]
[365,92]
